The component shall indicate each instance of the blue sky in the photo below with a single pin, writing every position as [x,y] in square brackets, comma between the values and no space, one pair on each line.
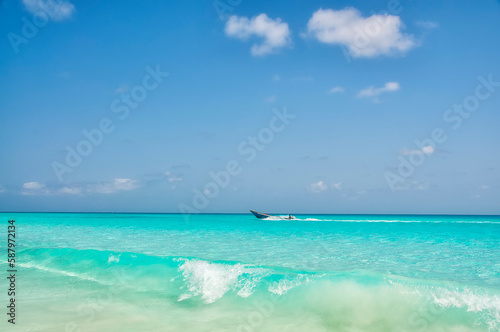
[298,106]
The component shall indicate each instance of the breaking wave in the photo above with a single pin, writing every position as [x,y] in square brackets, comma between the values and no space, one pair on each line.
[313,301]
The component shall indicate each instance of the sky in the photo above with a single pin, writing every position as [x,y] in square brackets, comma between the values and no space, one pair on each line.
[362,107]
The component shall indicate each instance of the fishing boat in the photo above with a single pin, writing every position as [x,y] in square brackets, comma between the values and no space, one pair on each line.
[260,215]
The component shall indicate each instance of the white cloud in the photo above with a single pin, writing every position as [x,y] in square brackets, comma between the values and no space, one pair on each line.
[122,89]
[317,187]
[57,10]
[337,186]
[427,24]
[371,91]
[34,188]
[33,185]
[428,150]
[118,184]
[107,187]
[362,36]
[274,33]
[413,185]
[172,178]
[70,190]
[336,89]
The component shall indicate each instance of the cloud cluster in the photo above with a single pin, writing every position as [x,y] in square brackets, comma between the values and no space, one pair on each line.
[320,186]
[427,24]
[274,33]
[428,150]
[371,91]
[113,186]
[362,36]
[34,188]
[58,10]
[172,177]
[413,185]
[106,187]
[317,187]
[336,89]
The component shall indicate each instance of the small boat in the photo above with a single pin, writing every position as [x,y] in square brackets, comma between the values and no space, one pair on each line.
[265,215]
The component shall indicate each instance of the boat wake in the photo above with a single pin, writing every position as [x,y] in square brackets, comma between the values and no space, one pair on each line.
[340,220]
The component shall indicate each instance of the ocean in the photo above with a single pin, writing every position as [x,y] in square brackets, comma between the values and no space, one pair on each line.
[233,272]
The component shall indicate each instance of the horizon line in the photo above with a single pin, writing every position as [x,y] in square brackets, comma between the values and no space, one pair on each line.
[244,213]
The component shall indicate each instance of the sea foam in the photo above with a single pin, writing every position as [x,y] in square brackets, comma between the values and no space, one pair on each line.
[213,280]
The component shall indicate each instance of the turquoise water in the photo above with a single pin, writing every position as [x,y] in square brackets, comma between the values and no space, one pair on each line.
[221,272]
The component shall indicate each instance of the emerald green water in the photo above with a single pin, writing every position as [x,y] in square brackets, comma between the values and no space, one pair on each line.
[217,272]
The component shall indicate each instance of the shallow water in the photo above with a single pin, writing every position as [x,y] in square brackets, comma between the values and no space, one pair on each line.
[219,272]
